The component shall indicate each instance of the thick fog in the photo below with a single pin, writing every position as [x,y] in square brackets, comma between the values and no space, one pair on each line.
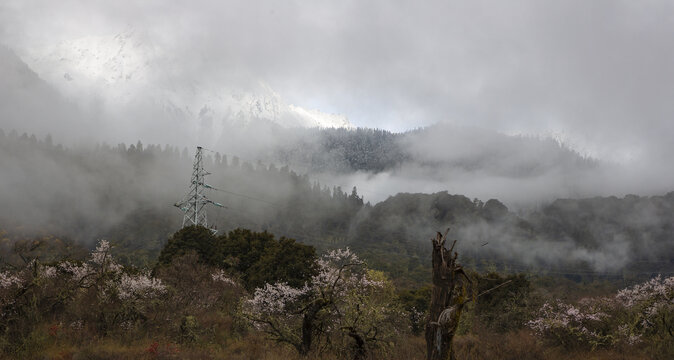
[521,101]
[592,75]
[596,74]
[518,170]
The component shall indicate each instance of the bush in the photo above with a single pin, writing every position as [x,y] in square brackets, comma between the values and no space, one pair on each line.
[193,238]
[504,308]
[257,256]
[262,259]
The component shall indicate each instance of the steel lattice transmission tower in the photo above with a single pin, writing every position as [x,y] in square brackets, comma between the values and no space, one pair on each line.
[195,201]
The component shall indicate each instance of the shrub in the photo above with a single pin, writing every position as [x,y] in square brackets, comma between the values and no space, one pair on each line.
[641,313]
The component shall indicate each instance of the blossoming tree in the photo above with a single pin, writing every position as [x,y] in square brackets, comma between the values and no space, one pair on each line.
[343,301]
[100,284]
[643,312]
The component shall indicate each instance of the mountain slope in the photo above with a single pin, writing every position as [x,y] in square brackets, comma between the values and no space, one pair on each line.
[29,104]
[129,71]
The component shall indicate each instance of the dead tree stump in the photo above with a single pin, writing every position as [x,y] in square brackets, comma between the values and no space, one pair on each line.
[448,298]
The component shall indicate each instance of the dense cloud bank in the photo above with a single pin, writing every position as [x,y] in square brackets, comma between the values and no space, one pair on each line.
[595,73]
[520,170]
[142,93]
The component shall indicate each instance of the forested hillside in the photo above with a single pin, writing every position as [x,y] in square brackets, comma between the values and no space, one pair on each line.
[435,148]
[125,194]
[572,237]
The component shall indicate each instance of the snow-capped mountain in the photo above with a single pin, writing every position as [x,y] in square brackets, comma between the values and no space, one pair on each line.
[127,72]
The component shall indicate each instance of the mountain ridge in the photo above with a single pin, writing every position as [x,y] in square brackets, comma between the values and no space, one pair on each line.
[128,69]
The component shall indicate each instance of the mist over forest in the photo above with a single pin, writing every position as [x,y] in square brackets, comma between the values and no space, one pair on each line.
[332,180]
[124,193]
[68,172]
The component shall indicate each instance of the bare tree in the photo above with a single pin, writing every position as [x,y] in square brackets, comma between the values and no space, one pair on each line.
[448,297]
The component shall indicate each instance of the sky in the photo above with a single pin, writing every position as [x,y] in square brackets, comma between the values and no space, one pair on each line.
[596,74]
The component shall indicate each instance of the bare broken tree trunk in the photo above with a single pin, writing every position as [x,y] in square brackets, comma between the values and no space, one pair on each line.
[447,301]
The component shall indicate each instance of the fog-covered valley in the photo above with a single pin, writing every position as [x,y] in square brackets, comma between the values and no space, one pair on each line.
[367,180]
[68,172]
[125,194]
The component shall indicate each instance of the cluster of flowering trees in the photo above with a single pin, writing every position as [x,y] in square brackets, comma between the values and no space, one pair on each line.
[571,325]
[38,292]
[99,295]
[641,313]
[345,307]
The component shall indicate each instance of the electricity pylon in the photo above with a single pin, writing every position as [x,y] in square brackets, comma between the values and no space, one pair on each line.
[195,201]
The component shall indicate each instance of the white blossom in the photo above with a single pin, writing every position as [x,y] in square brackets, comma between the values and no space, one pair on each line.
[222,277]
[79,272]
[8,280]
[102,258]
[337,297]
[275,298]
[77,325]
[139,286]
[637,309]
[49,271]
[567,318]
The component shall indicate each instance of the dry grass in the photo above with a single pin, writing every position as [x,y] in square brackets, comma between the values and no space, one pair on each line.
[514,345]
[522,345]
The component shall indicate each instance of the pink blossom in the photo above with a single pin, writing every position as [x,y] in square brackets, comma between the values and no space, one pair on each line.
[49,271]
[567,318]
[637,309]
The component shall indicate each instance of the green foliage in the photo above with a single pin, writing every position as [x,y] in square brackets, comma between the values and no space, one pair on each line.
[418,299]
[257,256]
[121,184]
[283,260]
[262,259]
[504,308]
[193,238]
[246,248]
[416,302]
